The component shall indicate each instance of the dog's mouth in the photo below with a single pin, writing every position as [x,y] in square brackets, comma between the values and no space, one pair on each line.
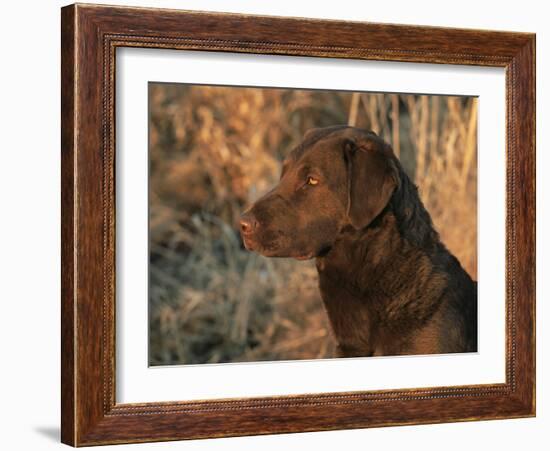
[248,242]
[275,249]
[253,245]
[272,249]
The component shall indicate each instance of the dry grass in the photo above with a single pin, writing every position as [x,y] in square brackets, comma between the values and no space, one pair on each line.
[214,150]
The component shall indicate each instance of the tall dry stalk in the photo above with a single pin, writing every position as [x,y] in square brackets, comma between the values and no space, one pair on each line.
[394,98]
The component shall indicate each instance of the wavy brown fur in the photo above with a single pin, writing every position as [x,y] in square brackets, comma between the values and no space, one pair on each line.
[393,287]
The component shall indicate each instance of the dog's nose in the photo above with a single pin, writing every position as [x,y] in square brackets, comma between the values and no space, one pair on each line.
[248,223]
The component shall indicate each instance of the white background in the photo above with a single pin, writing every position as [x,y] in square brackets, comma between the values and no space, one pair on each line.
[30,273]
[138,383]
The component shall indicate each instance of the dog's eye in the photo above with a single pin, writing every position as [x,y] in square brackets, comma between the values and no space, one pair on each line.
[312,181]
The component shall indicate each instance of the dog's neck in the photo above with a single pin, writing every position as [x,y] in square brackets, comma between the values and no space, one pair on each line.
[403,227]
[389,287]
[390,263]
[359,254]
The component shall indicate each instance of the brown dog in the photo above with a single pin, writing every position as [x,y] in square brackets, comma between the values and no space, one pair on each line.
[388,283]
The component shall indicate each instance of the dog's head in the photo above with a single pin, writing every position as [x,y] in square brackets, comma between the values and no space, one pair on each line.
[337,177]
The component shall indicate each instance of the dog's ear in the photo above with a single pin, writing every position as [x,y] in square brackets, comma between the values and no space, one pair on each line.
[372,177]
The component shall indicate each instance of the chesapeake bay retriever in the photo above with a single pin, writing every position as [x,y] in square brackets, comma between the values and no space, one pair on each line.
[389,285]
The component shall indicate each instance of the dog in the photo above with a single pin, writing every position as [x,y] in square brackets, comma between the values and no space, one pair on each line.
[388,283]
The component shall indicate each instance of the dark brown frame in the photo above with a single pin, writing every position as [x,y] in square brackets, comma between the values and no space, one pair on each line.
[90,35]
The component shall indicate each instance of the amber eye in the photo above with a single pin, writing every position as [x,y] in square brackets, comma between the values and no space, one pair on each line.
[312,181]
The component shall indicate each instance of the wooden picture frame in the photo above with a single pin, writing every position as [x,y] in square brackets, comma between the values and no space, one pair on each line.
[90,36]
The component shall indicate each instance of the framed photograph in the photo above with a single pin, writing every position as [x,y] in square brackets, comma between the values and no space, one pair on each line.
[279,225]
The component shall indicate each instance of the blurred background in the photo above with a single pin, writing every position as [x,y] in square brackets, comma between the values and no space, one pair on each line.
[214,150]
